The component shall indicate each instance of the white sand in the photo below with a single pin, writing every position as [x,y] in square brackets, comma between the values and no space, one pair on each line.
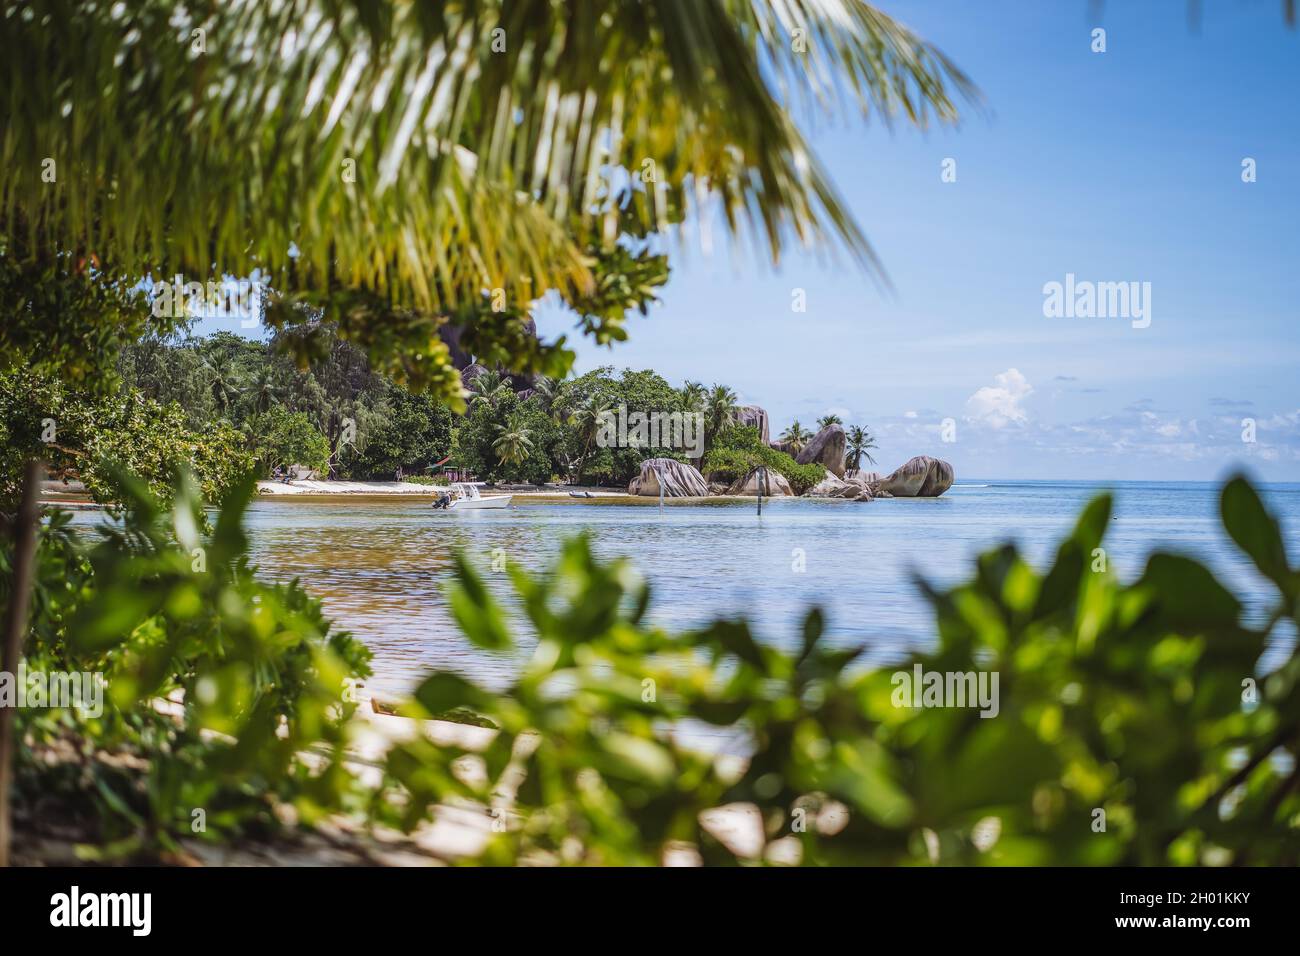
[319,487]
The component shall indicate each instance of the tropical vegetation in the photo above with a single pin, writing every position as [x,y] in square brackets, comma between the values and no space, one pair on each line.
[858,445]
[405,182]
[738,450]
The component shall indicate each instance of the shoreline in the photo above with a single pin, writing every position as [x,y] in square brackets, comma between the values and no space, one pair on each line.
[316,488]
[325,490]
[72,495]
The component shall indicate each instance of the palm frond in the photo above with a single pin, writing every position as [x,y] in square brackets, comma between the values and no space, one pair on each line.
[399,149]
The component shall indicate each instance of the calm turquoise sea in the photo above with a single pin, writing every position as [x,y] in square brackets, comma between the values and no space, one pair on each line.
[380,565]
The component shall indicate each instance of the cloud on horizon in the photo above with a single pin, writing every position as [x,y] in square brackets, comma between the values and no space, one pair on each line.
[1001,404]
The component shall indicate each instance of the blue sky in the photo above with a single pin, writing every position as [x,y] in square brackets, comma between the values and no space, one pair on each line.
[1115,166]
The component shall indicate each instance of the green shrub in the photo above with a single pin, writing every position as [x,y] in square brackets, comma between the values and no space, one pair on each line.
[1131,725]
[738,450]
[727,464]
[163,612]
[1120,733]
[288,438]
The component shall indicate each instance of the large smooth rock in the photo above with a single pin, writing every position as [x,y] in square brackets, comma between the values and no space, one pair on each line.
[451,335]
[756,417]
[833,487]
[775,486]
[679,480]
[919,477]
[827,449]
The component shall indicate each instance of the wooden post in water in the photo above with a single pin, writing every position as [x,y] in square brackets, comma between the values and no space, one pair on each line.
[759,482]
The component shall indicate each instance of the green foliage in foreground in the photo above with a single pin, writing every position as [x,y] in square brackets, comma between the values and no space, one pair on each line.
[738,450]
[1119,698]
[1132,704]
[254,674]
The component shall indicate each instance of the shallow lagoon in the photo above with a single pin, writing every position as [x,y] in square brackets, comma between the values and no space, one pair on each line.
[380,564]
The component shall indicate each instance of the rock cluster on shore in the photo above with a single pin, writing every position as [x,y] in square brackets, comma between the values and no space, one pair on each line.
[834,487]
[919,477]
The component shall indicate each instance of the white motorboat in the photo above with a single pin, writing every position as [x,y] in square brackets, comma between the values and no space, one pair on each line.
[466,497]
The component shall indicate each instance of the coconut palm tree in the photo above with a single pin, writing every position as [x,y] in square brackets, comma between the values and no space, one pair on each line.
[513,444]
[490,389]
[692,396]
[831,419]
[425,153]
[796,436]
[719,411]
[549,393]
[859,443]
[587,420]
[218,370]
[265,390]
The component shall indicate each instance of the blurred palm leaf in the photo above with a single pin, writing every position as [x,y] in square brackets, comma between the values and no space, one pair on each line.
[188,136]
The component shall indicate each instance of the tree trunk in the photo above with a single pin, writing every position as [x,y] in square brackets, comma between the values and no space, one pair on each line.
[15,630]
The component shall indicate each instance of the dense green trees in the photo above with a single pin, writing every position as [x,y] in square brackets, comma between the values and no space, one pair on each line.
[90,435]
[337,414]
[403,429]
[561,423]
[333,413]
[515,440]
[284,438]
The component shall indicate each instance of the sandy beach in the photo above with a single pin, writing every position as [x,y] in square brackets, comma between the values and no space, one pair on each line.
[383,488]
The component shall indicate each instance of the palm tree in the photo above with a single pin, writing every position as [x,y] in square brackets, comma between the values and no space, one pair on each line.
[265,390]
[549,393]
[514,443]
[692,396]
[796,436]
[417,164]
[490,389]
[587,420]
[719,411]
[831,419]
[859,444]
[220,376]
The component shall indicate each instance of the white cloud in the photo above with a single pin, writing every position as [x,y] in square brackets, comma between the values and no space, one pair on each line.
[1000,404]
